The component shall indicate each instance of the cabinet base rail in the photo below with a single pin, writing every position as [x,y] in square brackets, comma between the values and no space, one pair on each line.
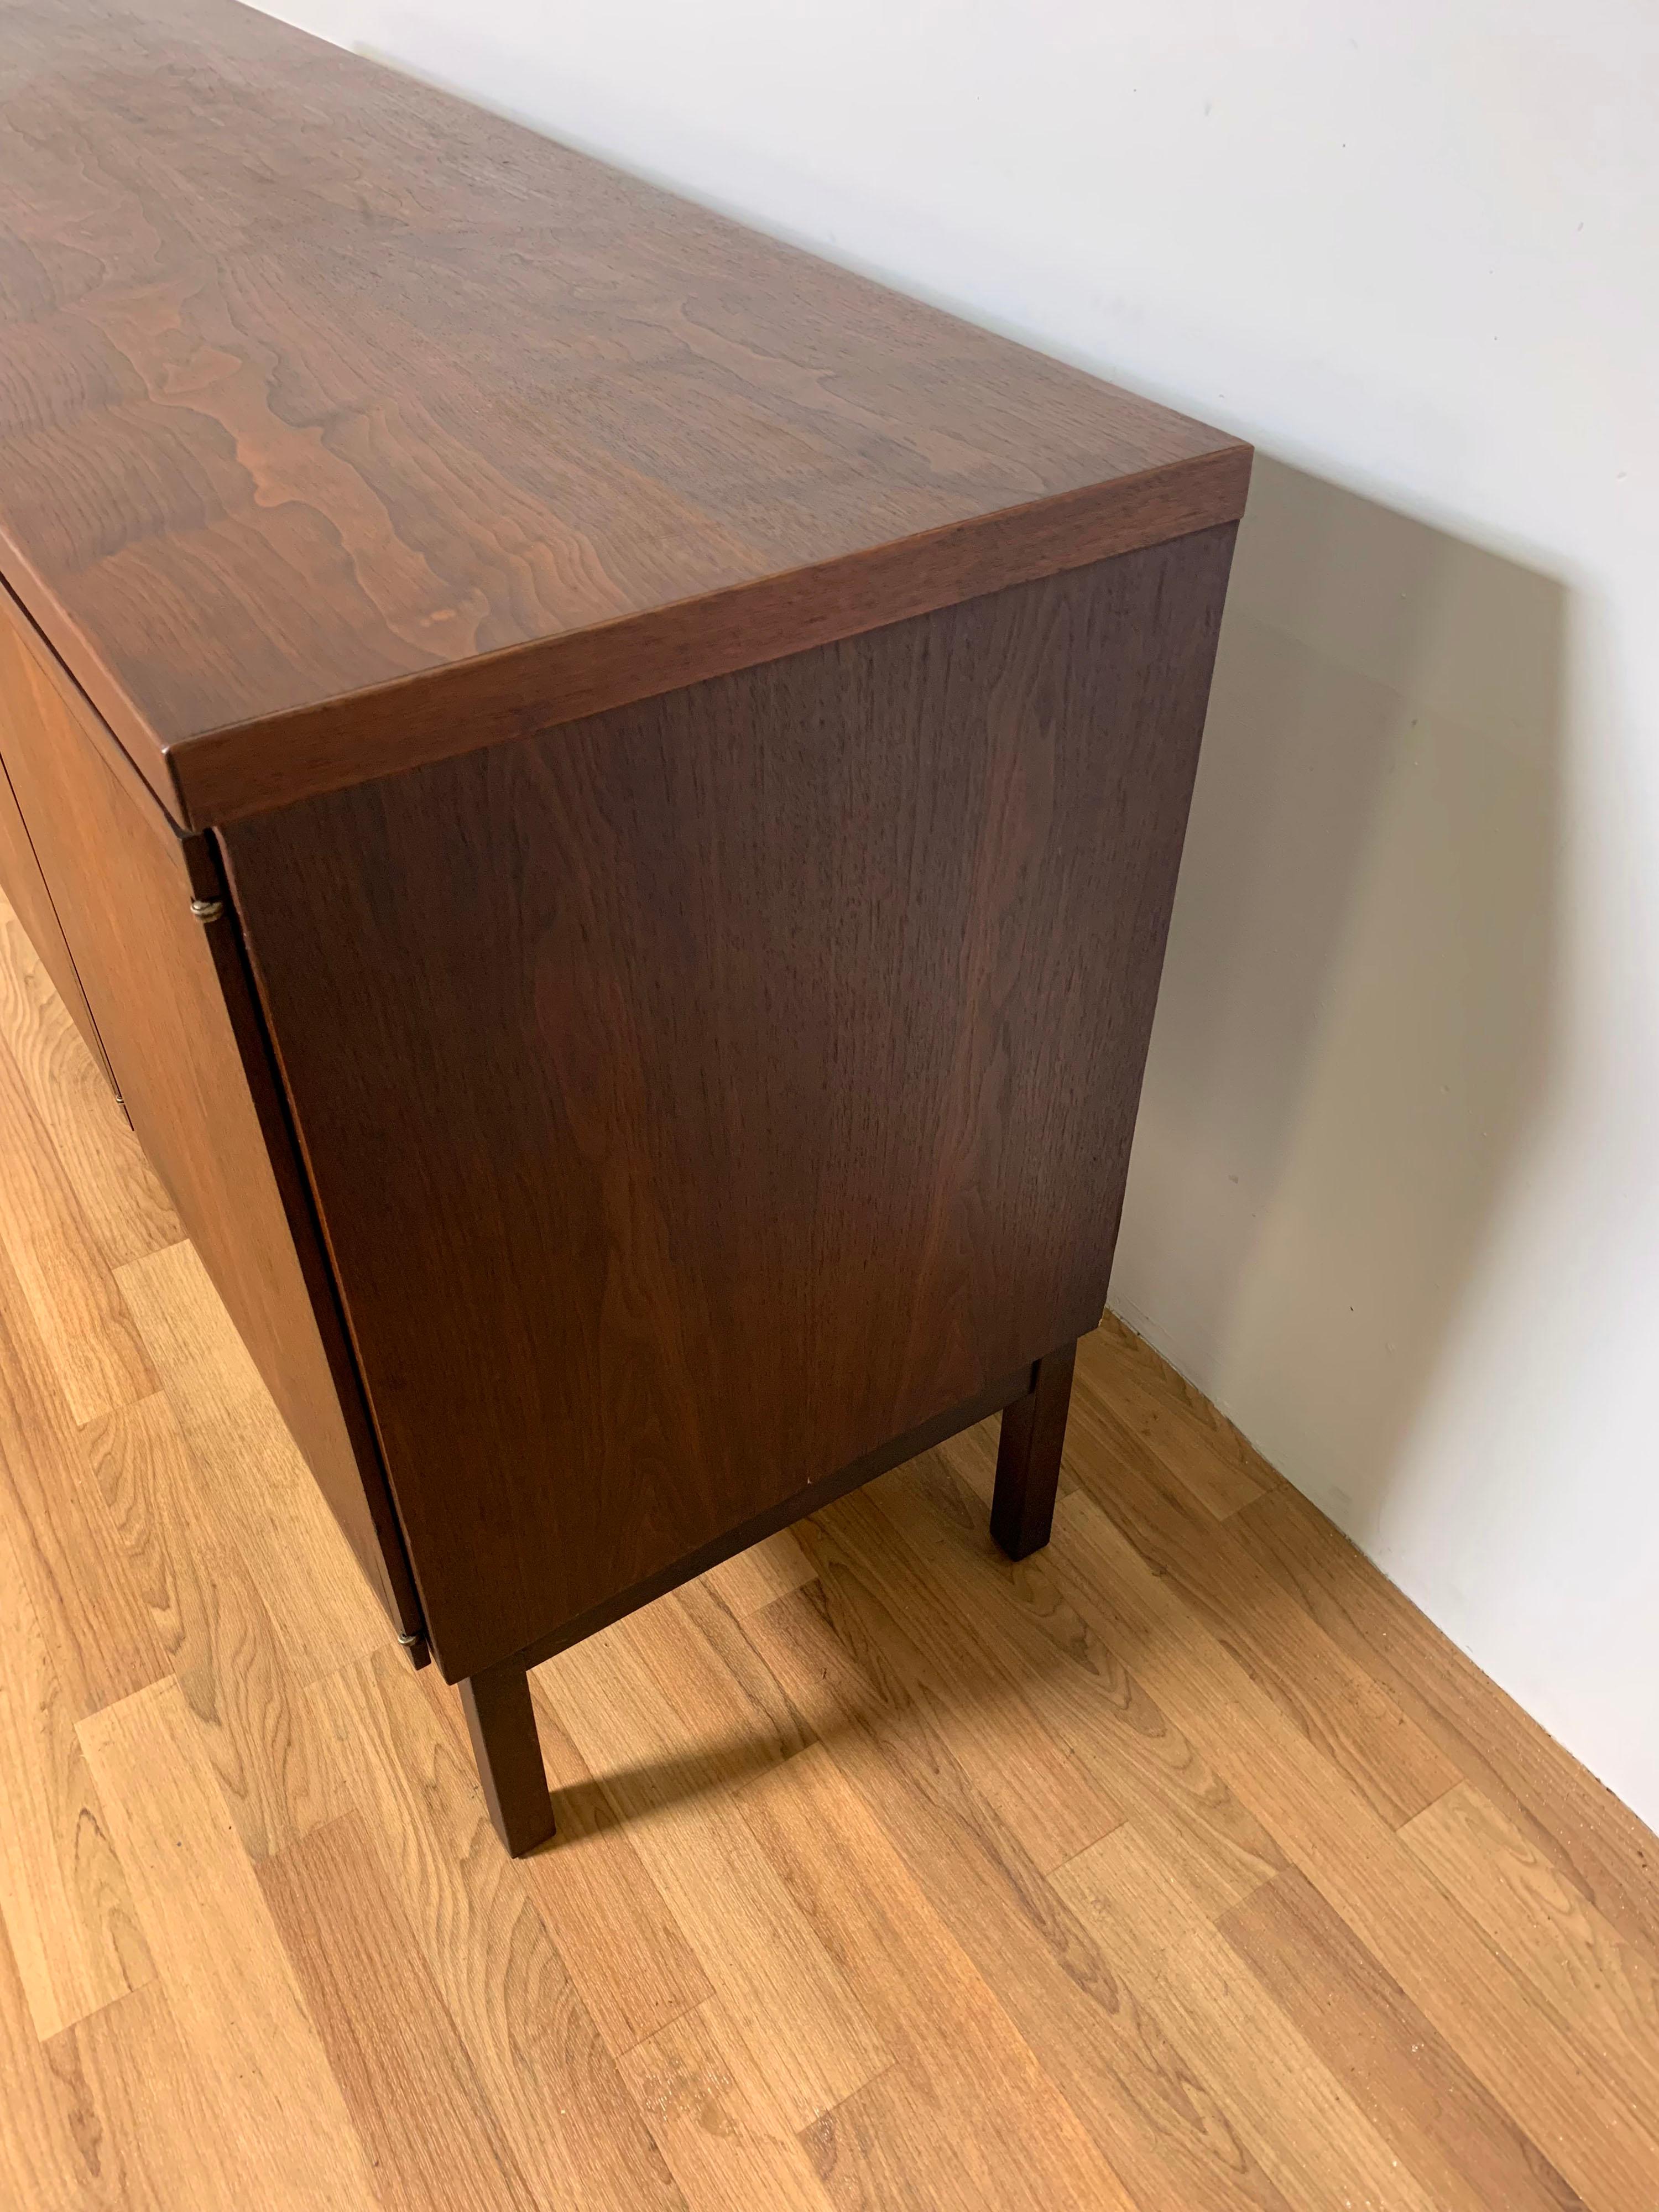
[500,1718]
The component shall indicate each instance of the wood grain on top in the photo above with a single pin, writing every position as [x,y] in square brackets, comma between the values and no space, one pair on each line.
[344,425]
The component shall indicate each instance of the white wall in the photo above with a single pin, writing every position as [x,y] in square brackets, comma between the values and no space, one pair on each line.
[1396,1196]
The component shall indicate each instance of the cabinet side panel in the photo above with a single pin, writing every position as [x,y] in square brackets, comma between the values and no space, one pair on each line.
[701,1095]
[163,992]
[25,889]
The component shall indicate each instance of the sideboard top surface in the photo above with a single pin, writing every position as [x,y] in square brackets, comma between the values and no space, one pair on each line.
[343,425]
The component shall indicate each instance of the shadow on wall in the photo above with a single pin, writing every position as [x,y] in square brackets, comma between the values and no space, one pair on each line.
[1356,1028]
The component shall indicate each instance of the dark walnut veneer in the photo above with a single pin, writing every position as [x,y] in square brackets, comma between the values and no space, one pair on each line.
[610,792]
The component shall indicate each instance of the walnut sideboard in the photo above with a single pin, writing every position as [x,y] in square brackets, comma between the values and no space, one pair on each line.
[609,794]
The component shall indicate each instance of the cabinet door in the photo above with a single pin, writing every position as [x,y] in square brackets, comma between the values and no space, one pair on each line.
[25,889]
[169,996]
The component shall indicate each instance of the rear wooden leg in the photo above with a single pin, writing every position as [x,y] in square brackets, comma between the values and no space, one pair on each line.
[502,1722]
[1027,1458]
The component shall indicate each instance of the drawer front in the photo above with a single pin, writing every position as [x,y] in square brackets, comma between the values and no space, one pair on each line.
[25,889]
[170,1002]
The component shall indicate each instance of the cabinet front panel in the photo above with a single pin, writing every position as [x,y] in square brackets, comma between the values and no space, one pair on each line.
[120,881]
[700,1096]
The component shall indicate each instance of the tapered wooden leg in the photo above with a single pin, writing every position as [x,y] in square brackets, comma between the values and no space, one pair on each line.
[1027,1458]
[502,1722]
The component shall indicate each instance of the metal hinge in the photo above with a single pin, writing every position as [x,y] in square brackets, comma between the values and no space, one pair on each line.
[207,910]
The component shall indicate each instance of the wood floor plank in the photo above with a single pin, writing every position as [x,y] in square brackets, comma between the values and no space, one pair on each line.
[64,1896]
[726,1701]
[1297,2119]
[1091,1700]
[1194,1444]
[1411,2086]
[562,2108]
[872,2153]
[1601,1988]
[1443,1961]
[125,1206]
[768,1570]
[247,1468]
[39,2165]
[95,1355]
[965,2115]
[697,1647]
[265,2077]
[1157,2122]
[1333,1700]
[712,2111]
[143,2138]
[607,1919]
[98,1630]
[212,1624]
[1599,1844]
[671,1781]
[1047,1797]
[884,2149]
[431,2135]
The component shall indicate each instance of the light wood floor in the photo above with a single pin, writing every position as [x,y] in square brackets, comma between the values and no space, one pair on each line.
[1184,1868]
